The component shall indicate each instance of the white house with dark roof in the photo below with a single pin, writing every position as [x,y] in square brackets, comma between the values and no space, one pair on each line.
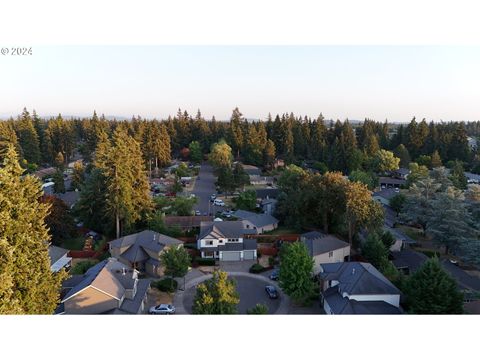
[259,222]
[225,241]
[357,288]
[109,287]
[142,250]
[325,248]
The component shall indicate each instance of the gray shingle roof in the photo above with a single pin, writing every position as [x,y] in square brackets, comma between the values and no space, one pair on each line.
[132,306]
[408,259]
[319,243]
[224,229]
[87,278]
[270,193]
[55,253]
[357,278]
[248,244]
[258,220]
[345,306]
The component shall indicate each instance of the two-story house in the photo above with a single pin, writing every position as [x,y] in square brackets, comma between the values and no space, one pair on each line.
[225,241]
[325,248]
[357,288]
[109,287]
[142,250]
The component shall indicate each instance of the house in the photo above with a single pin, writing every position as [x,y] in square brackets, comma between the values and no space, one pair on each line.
[267,193]
[268,205]
[357,288]
[186,222]
[259,222]
[59,258]
[472,178]
[261,180]
[325,248]
[142,250]
[225,240]
[401,173]
[384,195]
[408,261]
[108,287]
[252,170]
[389,183]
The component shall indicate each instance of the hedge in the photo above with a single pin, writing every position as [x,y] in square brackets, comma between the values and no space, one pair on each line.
[257,268]
[205,262]
[166,285]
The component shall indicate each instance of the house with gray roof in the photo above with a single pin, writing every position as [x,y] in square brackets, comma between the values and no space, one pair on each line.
[325,248]
[59,258]
[107,287]
[357,288]
[259,222]
[142,250]
[227,241]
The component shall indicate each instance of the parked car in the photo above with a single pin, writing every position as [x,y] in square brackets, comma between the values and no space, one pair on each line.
[218,202]
[162,309]
[198,213]
[271,291]
[274,275]
[213,197]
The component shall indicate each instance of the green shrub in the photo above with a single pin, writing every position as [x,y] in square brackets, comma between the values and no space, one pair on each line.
[257,268]
[205,262]
[81,268]
[166,285]
[271,261]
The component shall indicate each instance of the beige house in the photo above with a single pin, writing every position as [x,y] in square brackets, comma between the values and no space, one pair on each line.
[259,222]
[109,287]
[142,250]
[325,249]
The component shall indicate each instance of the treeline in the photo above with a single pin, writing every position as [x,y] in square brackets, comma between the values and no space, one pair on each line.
[337,146]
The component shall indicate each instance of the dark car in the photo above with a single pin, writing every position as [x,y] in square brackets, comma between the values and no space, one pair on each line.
[271,291]
[274,275]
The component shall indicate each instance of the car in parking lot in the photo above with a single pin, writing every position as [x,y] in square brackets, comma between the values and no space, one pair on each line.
[271,291]
[274,275]
[162,309]
[218,202]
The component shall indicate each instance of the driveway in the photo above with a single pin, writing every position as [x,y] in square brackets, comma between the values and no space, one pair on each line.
[251,288]
[237,266]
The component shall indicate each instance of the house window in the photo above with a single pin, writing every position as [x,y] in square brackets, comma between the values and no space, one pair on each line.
[210,242]
[220,241]
[330,254]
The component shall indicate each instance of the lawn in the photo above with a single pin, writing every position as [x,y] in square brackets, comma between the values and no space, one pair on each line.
[75,243]
[414,233]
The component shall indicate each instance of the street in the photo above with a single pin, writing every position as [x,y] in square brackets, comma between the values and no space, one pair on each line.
[204,188]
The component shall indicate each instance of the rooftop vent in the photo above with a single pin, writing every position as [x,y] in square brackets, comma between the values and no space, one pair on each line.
[353,271]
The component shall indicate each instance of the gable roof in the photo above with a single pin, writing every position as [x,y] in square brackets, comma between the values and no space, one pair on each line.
[358,278]
[407,258]
[258,220]
[224,229]
[139,242]
[319,243]
[56,253]
[186,221]
[270,193]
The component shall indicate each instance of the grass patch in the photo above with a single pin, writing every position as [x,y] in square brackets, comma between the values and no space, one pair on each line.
[414,233]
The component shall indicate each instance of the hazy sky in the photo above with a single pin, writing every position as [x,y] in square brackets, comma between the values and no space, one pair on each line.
[378,82]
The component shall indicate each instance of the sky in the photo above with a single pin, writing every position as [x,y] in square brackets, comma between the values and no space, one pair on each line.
[354,82]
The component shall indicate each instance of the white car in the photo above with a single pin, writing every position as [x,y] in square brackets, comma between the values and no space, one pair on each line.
[166,309]
[218,202]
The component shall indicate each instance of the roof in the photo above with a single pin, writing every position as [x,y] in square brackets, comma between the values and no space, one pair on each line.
[407,258]
[56,253]
[464,280]
[386,193]
[138,243]
[251,170]
[132,306]
[358,278]
[106,276]
[268,201]
[402,171]
[247,244]
[344,305]
[186,221]
[258,220]
[387,180]
[224,229]
[270,193]
[319,243]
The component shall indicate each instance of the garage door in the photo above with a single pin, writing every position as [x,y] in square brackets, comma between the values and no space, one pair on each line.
[249,254]
[231,256]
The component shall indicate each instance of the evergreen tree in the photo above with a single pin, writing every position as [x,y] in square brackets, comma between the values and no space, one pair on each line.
[375,251]
[195,152]
[236,131]
[59,183]
[59,221]
[457,176]
[78,175]
[402,153]
[269,154]
[436,160]
[27,285]
[28,138]
[431,290]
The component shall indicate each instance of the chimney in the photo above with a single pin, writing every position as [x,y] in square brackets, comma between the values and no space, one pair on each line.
[353,271]
[123,271]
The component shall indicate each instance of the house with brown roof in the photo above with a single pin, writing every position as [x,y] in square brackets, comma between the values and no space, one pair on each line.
[109,287]
[142,250]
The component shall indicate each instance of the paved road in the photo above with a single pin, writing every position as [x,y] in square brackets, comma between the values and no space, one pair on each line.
[251,288]
[204,187]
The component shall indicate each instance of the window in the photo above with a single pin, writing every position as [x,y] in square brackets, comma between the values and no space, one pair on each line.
[210,242]
[220,241]
[330,254]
